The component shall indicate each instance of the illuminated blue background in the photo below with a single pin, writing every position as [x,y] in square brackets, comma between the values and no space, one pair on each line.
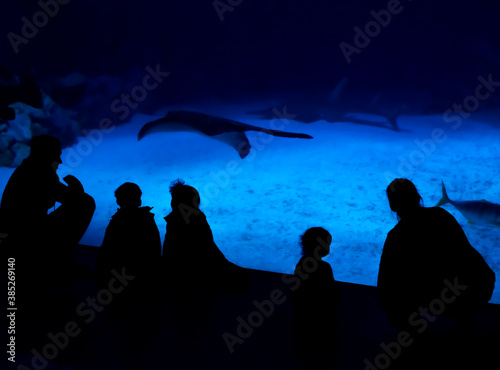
[283,54]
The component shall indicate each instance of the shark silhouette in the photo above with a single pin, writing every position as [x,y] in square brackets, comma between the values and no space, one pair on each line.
[332,108]
[222,129]
[479,212]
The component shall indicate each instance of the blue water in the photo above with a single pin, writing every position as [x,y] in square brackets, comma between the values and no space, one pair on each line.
[259,206]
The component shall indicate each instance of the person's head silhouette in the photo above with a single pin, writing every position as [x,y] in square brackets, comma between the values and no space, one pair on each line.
[128,195]
[403,197]
[184,195]
[316,242]
[46,149]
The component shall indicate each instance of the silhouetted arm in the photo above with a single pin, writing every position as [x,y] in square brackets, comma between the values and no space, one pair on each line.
[332,289]
[65,193]
[74,185]
[61,193]
[153,236]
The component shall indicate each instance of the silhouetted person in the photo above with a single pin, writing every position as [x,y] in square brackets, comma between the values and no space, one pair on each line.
[428,263]
[191,259]
[44,241]
[315,298]
[131,247]
[132,240]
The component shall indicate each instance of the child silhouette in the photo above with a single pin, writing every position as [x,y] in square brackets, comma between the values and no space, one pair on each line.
[315,297]
[132,240]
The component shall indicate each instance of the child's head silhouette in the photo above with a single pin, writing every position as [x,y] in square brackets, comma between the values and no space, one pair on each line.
[184,194]
[128,195]
[316,242]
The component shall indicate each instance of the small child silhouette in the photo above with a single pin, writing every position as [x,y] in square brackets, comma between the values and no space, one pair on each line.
[315,296]
[132,240]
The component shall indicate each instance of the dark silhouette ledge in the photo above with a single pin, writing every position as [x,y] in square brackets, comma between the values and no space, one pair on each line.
[251,329]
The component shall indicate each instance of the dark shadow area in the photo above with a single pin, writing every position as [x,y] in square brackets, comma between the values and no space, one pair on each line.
[252,330]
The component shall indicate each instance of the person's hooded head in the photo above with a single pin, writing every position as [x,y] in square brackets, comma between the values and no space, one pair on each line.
[403,197]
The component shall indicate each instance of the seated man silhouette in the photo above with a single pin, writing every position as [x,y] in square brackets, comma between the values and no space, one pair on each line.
[43,242]
[427,262]
[315,298]
[132,240]
[191,259]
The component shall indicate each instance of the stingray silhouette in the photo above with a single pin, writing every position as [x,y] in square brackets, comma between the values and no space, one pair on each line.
[226,130]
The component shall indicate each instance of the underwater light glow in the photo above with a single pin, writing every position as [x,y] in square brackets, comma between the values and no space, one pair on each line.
[258,206]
